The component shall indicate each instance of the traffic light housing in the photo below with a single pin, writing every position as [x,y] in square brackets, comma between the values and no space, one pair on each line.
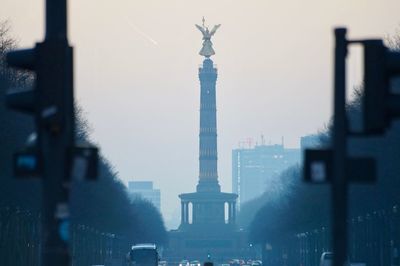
[52,107]
[22,99]
[380,105]
[318,167]
[23,59]
[84,162]
[49,101]
[27,163]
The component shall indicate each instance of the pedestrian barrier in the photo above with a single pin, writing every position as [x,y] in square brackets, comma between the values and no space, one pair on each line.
[374,239]
[20,242]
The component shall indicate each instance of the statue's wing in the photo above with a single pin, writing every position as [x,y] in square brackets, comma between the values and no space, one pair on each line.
[201,29]
[214,29]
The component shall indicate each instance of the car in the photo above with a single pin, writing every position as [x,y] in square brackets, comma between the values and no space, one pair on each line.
[184,263]
[195,263]
[162,263]
[234,262]
[326,259]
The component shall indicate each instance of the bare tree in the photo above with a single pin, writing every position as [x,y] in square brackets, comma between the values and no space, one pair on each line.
[393,41]
[104,204]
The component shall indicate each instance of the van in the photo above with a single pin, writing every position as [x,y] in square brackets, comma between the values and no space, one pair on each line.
[144,255]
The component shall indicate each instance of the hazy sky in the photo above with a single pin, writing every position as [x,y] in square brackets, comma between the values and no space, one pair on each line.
[136,77]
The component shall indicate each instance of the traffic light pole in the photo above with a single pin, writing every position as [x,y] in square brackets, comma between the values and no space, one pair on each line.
[339,182]
[54,156]
[56,19]
[380,105]
[56,135]
[52,104]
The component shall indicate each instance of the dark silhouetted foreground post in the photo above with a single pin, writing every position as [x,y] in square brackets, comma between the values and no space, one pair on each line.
[54,155]
[339,181]
[57,134]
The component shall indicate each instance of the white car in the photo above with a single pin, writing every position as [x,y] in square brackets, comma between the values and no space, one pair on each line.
[326,259]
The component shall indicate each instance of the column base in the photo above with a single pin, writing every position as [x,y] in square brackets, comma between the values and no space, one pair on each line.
[205,185]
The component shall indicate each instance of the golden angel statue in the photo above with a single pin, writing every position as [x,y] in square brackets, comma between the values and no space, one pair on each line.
[207,49]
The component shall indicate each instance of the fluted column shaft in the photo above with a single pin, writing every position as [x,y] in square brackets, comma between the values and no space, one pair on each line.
[208,171]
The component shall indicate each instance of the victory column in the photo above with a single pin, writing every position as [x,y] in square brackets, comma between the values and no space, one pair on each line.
[207,229]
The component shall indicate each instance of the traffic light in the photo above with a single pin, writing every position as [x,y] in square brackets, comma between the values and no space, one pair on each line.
[380,104]
[22,59]
[85,161]
[49,101]
[21,99]
[318,167]
[27,162]
[54,155]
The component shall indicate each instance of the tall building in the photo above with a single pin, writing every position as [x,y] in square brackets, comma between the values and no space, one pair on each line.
[145,190]
[208,215]
[252,168]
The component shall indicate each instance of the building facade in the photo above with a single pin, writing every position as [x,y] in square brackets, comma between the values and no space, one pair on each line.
[252,168]
[145,190]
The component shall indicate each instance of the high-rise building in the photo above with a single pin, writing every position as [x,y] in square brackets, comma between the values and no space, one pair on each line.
[145,190]
[252,168]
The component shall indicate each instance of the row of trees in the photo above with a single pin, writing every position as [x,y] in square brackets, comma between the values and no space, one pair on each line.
[294,206]
[103,204]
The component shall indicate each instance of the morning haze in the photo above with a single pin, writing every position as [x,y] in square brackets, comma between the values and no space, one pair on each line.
[136,75]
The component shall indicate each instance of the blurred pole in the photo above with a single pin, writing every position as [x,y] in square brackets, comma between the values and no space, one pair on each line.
[339,184]
[56,19]
[57,134]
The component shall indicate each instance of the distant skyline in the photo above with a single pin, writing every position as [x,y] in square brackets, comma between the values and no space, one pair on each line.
[136,77]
